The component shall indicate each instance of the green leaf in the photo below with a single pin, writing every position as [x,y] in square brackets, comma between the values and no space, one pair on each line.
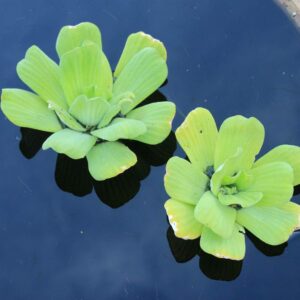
[89,111]
[105,85]
[274,180]
[71,143]
[109,159]
[244,180]
[272,225]
[285,153]
[243,199]
[211,213]
[123,100]
[158,119]
[81,72]
[135,43]
[197,136]
[120,128]
[182,220]
[113,111]
[42,75]
[26,109]
[65,117]
[227,173]
[71,37]
[238,131]
[143,75]
[233,248]
[184,182]
[292,208]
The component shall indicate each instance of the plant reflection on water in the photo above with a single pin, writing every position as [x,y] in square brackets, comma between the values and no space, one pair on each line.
[213,267]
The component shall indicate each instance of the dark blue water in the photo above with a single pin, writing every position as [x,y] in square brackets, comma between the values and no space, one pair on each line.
[229,56]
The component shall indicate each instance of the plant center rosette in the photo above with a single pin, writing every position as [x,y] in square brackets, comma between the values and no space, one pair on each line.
[86,106]
[221,189]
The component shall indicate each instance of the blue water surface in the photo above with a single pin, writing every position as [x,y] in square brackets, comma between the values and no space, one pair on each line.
[232,57]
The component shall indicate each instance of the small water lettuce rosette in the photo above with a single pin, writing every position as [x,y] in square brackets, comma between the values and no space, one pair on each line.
[88,108]
[221,190]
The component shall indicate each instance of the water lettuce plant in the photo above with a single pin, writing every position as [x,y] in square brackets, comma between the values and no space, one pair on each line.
[88,108]
[221,190]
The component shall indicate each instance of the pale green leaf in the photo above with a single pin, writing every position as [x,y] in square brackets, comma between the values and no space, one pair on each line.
[105,84]
[211,213]
[71,143]
[197,136]
[81,72]
[65,117]
[228,172]
[233,248]
[292,208]
[41,74]
[113,111]
[285,153]
[184,182]
[89,111]
[243,199]
[143,75]
[238,131]
[244,180]
[109,159]
[272,225]
[158,119]
[71,37]
[274,180]
[124,101]
[135,43]
[26,109]
[120,128]
[182,220]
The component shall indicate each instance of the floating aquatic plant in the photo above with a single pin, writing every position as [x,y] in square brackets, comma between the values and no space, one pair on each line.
[88,108]
[222,190]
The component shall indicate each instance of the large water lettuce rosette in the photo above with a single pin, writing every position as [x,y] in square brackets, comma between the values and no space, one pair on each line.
[221,189]
[88,108]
